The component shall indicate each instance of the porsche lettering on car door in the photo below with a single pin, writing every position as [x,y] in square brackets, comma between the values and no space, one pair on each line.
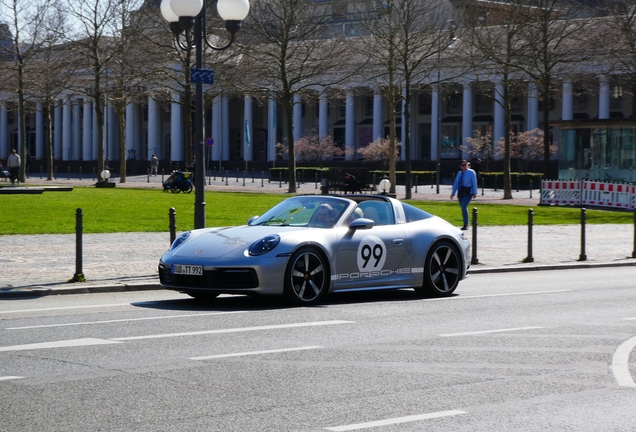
[368,255]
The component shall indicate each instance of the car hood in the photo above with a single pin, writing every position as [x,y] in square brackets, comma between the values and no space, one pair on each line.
[221,242]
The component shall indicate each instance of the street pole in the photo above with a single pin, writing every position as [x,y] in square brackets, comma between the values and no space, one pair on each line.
[199,154]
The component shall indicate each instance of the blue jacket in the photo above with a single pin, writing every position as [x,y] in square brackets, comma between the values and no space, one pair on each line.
[467,178]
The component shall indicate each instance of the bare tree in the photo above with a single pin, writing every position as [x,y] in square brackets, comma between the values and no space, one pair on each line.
[294,51]
[25,21]
[93,41]
[405,35]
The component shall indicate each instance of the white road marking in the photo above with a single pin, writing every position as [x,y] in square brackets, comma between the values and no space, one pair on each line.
[460,297]
[620,363]
[630,319]
[65,308]
[124,320]
[396,420]
[490,331]
[95,341]
[6,378]
[233,330]
[248,353]
[60,344]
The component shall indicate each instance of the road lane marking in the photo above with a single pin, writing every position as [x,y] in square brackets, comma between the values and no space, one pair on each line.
[232,330]
[620,363]
[95,341]
[248,353]
[460,297]
[7,378]
[396,420]
[60,344]
[65,308]
[124,320]
[490,331]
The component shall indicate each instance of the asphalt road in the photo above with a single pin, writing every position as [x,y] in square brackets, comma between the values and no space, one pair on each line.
[522,351]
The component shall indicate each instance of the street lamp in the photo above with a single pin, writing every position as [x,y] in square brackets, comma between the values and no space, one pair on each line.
[438,161]
[187,16]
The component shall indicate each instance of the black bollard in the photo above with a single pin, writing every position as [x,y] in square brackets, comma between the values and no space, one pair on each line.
[237,176]
[243,177]
[583,256]
[161,175]
[280,180]
[495,182]
[79,275]
[432,180]
[530,188]
[262,179]
[517,182]
[634,251]
[474,259]
[94,177]
[80,173]
[148,180]
[415,184]
[227,175]
[40,171]
[68,174]
[530,258]
[172,215]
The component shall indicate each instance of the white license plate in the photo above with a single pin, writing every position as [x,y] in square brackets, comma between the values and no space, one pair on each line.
[187,269]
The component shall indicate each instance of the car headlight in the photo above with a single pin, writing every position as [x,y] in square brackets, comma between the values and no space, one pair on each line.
[183,237]
[264,245]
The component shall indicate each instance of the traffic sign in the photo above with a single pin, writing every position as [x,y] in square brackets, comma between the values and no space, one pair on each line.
[202,76]
[209,141]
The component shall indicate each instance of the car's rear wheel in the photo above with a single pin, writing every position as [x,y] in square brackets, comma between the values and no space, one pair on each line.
[307,277]
[203,296]
[442,270]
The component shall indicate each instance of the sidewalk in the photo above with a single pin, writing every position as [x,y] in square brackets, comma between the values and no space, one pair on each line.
[42,264]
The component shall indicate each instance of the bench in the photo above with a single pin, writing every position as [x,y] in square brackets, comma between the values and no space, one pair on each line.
[349,180]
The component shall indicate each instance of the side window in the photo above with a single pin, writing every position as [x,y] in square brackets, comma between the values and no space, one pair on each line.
[379,212]
[414,214]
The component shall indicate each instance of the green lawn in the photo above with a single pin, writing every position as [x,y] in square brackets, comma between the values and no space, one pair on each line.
[147,210]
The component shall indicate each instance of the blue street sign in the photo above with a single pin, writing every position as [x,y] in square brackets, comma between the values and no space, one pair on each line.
[209,141]
[202,76]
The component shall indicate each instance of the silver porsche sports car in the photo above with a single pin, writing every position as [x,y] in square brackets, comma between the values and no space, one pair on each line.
[310,245]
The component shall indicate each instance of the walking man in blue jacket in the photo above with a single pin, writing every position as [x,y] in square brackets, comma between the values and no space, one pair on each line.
[465,186]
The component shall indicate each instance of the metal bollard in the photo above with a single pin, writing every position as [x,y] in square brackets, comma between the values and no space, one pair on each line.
[583,256]
[68,174]
[79,275]
[634,251]
[530,188]
[55,172]
[94,177]
[80,173]
[237,175]
[243,177]
[416,184]
[262,179]
[280,180]
[495,182]
[252,175]
[474,259]
[517,182]
[530,258]
[40,171]
[432,180]
[161,175]
[148,180]
[227,175]
[172,215]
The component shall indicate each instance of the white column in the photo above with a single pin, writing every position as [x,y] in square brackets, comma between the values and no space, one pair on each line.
[297,118]
[350,126]
[533,106]
[467,118]
[216,128]
[435,124]
[604,98]
[40,153]
[567,107]
[67,132]
[87,136]
[248,135]
[57,131]
[225,127]
[131,128]
[4,132]
[176,134]
[271,129]
[95,144]
[153,129]
[323,115]
[499,123]
[403,130]
[77,130]
[377,115]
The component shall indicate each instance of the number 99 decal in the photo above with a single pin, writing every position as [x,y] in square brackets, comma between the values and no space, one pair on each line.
[371,254]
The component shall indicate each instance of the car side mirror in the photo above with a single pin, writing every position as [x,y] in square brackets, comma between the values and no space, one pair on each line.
[252,219]
[361,223]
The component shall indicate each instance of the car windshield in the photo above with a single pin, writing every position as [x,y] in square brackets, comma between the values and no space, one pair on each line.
[315,211]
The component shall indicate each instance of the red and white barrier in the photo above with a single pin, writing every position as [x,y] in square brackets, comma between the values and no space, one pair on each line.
[588,193]
[561,192]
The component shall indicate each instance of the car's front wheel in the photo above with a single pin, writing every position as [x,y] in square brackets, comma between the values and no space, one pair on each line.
[442,270]
[307,277]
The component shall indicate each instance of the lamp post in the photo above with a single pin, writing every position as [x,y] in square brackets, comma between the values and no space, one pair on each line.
[187,16]
[438,138]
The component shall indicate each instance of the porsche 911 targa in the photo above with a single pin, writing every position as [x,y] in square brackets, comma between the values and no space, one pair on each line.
[310,245]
